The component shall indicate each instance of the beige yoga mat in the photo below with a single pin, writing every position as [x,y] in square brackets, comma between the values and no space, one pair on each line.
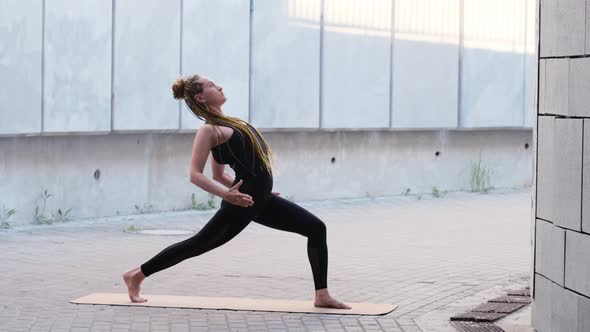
[233,303]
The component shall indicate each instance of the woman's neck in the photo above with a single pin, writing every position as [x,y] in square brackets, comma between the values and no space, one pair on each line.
[216,110]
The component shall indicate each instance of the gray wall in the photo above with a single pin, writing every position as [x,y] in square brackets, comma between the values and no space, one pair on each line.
[106,175]
[77,66]
[71,67]
[562,220]
[21,30]
[381,82]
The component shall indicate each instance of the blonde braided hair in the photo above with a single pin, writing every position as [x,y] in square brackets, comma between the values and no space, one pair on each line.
[186,88]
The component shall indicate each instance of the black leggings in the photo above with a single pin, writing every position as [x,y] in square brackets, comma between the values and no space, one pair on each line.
[230,219]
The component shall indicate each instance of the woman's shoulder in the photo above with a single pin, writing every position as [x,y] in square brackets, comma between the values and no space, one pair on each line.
[206,127]
[210,128]
[222,134]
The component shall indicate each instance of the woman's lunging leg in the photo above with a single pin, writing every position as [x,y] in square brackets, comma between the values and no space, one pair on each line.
[228,222]
[285,215]
[222,227]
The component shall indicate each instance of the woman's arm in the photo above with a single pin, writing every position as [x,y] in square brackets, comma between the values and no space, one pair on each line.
[226,180]
[219,174]
[201,147]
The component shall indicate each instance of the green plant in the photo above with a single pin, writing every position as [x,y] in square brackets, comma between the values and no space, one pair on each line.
[203,206]
[435,192]
[131,228]
[144,209]
[61,216]
[6,213]
[211,201]
[42,218]
[438,193]
[479,176]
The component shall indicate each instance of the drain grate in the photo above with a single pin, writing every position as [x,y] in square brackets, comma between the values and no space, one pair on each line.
[475,316]
[497,307]
[480,318]
[512,299]
[476,327]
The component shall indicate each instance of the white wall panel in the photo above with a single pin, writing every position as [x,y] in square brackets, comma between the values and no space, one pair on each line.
[217,50]
[493,63]
[78,65]
[425,67]
[147,61]
[285,63]
[20,66]
[356,77]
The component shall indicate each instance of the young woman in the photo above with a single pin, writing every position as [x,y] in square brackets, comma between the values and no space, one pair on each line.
[233,141]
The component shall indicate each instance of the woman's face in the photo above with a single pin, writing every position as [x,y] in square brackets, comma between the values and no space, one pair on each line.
[212,94]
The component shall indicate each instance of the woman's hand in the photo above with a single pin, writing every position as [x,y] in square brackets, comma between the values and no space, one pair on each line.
[276,193]
[237,198]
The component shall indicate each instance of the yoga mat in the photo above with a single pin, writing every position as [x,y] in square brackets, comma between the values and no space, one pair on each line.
[233,303]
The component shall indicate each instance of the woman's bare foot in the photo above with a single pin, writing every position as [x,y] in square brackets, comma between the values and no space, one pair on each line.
[324,300]
[133,281]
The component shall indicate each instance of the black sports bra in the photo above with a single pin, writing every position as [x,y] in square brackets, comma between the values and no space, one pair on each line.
[237,152]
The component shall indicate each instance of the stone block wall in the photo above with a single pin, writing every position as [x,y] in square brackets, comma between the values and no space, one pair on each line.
[562,221]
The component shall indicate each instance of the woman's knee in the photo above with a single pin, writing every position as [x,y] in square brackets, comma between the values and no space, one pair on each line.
[319,230]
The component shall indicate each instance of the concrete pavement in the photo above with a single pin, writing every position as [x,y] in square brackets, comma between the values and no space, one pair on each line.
[434,257]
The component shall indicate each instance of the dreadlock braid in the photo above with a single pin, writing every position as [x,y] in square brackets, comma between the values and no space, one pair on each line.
[186,88]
